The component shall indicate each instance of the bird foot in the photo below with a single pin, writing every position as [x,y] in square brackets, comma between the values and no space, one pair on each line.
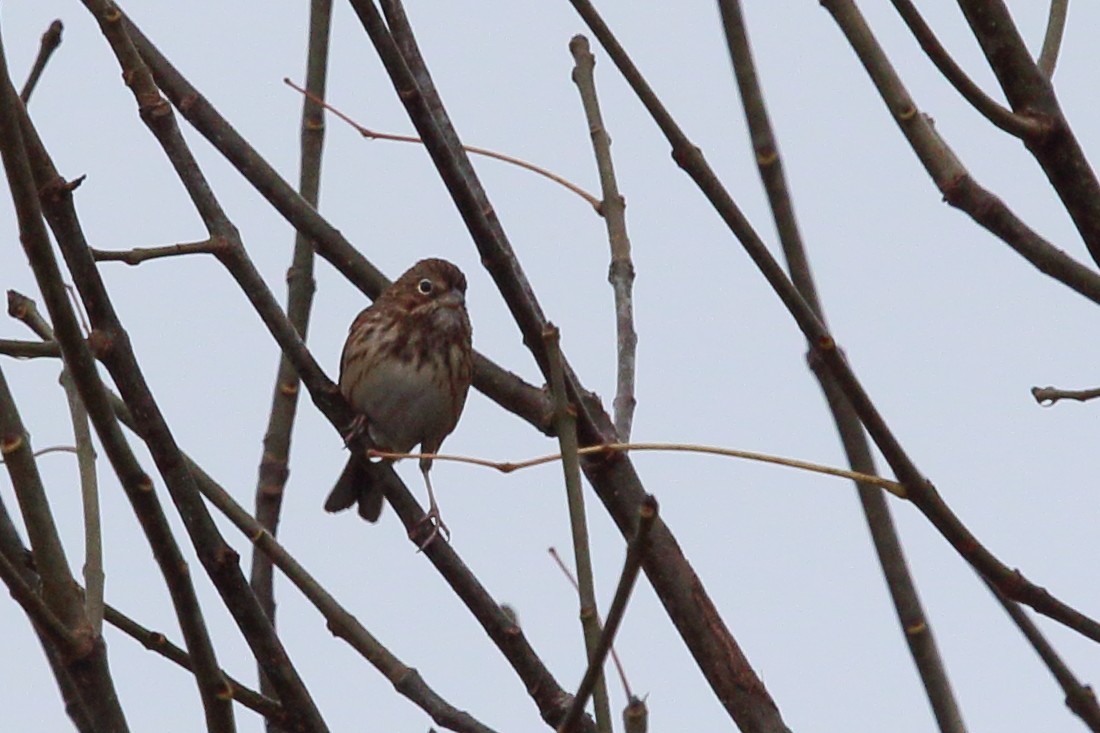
[437,525]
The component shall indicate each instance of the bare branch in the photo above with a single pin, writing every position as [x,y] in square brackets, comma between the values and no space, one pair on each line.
[1047,396]
[876,511]
[157,642]
[29,349]
[919,488]
[647,513]
[141,254]
[621,271]
[1052,39]
[1004,118]
[51,39]
[485,152]
[566,421]
[1079,698]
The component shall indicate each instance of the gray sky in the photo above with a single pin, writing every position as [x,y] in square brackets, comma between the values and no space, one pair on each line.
[945,325]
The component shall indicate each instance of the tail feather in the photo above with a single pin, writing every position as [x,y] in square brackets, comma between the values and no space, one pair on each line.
[356,485]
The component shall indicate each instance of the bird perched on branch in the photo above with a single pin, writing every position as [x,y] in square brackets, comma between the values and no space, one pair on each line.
[406,369]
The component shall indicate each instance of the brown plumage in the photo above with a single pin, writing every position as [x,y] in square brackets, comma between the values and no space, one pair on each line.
[406,369]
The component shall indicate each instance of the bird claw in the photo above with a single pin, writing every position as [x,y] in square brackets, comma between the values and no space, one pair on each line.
[437,525]
[357,428]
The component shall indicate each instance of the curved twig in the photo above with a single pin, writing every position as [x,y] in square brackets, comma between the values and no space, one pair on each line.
[1052,39]
[1001,116]
[472,149]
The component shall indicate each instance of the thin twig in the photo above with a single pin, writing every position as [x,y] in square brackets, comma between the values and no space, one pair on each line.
[274,462]
[614,655]
[39,613]
[620,273]
[647,514]
[157,642]
[55,195]
[1052,39]
[503,387]
[1079,698]
[876,510]
[1004,118]
[140,254]
[566,421]
[29,349]
[89,493]
[893,487]
[51,39]
[1047,396]
[375,135]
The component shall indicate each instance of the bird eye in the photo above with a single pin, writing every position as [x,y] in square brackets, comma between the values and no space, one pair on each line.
[425,286]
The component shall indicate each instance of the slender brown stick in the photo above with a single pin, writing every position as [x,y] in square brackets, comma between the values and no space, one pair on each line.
[998,114]
[893,487]
[1047,396]
[919,489]
[142,254]
[51,39]
[40,614]
[1079,698]
[274,463]
[1052,39]
[473,150]
[29,349]
[565,418]
[911,616]
[635,551]
[157,642]
[499,385]
[1029,91]
[620,273]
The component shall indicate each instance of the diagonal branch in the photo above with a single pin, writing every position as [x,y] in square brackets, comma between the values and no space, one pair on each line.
[274,463]
[919,489]
[1029,91]
[907,605]
[499,385]
[681,592]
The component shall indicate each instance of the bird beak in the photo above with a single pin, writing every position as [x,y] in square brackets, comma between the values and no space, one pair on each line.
[453,298]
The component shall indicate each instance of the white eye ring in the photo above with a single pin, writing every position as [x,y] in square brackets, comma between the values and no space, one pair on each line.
[425,286]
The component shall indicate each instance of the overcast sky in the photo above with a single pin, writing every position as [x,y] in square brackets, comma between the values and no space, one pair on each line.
[945,325]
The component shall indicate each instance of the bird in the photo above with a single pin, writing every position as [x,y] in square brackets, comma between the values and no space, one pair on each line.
[406,369]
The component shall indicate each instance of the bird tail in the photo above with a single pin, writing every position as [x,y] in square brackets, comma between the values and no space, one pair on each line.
[356,483]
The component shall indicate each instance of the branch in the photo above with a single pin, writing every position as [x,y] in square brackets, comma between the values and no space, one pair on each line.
[911,616]
[485,152]
[1017,125]
[1047,396]
[51,39]
[1030,92]
[157,642]
[1079,698]
[1052,39]
[499,385]
[620,273]
[566,427]
[141,254]
[614,479]
[918,488]
[29,349]
[636,550]
[274,463]
[953,180]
